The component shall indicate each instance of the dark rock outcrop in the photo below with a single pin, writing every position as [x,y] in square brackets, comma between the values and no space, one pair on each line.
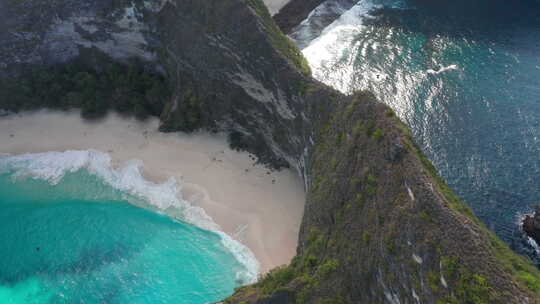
[531,225]
[322,16]
[294,12]
[380,225]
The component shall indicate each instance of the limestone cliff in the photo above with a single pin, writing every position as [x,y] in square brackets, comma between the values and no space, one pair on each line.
[380,226]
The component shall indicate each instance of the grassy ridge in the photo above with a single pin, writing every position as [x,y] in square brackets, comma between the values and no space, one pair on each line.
[281,42]
[356,210]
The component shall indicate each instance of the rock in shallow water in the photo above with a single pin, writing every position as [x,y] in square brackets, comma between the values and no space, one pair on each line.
[531,225]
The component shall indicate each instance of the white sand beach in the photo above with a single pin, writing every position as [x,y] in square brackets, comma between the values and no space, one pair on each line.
[275,5]
[258,207]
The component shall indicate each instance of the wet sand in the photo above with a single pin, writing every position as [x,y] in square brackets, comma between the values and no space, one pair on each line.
[258,207]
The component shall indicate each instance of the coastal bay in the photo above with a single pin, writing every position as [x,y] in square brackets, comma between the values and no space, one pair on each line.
[259,207]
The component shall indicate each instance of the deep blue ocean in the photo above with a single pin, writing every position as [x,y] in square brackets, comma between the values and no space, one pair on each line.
[75,230]
[465,76]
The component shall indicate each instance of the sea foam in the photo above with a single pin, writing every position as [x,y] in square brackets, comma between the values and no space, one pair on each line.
[332,56]
[443,69]
[166,197]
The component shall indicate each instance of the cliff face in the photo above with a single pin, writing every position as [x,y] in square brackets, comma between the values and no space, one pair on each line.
[237,72]
[380,226]
[228,64]
[48,32]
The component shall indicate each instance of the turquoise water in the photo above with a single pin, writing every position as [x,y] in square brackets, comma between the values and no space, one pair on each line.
[465,76]
[76,239]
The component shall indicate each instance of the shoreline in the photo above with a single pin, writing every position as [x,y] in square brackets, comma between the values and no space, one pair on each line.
[244,199]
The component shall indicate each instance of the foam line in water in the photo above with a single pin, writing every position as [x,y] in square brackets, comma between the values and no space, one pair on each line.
[322,51]
[53,166]
[443,69]
[327,52]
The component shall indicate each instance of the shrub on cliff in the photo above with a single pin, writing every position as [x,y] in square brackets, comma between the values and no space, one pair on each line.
[126,88]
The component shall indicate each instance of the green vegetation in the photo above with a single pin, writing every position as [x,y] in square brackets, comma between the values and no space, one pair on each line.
[523,271]
[360,200]
[433,280]
[327,268]
[351,108]
[520,267]
[277,278]
[391,247]
[428,218]
[315,240]
[371,189]
[371,185]
[338,300]
[468,288]
[307,270]
[312,280]
[281,42]
[366,236]
[359,128]
[378,135]
[532,282]
[126,88]
[189,114]
[339,138]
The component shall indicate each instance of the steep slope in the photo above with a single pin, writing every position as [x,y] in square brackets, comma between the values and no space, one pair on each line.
[380,226]
[237,72]
[226,67]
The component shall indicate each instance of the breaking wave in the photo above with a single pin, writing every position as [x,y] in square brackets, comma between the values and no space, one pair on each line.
[165,197]
[443,69]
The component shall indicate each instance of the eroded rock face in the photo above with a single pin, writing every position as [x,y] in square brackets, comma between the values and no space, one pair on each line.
[380,225]
[228,63]
[230,67]
[48,32]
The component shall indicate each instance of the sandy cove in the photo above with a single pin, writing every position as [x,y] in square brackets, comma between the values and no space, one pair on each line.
[258,207]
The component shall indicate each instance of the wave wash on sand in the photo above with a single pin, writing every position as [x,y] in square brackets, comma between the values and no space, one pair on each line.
[195,178]
[166,197]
